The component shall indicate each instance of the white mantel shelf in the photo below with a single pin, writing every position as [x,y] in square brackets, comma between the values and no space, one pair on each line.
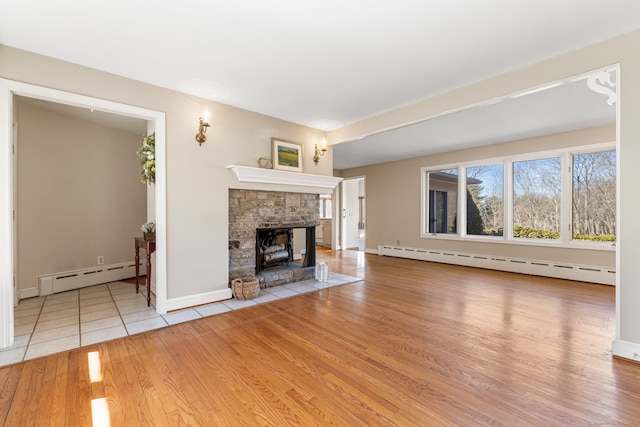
[271,176]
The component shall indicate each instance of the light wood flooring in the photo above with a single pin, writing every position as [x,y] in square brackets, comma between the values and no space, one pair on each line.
[413,344]
[78,318]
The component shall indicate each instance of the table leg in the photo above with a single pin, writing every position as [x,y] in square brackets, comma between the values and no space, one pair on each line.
[137,265]
[148,278]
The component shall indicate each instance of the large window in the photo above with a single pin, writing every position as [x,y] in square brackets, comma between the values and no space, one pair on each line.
[325,207]
[561,197]
[485,200]
[443,201]
[594,196]
[536,199]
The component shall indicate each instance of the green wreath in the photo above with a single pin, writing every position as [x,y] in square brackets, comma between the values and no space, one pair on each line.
[147,155]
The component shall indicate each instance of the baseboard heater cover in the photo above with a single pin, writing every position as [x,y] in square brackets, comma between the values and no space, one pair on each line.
[76,279]
[582,273]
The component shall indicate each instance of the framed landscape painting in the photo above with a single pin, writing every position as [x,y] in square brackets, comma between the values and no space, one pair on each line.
[287,155]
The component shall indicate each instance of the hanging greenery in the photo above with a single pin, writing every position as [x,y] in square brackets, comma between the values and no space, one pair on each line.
[147,155]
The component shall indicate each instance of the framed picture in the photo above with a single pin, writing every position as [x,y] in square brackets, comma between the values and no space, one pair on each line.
[286,155]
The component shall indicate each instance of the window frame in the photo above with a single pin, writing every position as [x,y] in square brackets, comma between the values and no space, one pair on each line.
[566,181]
[426,225]
[568,203]
[325,212]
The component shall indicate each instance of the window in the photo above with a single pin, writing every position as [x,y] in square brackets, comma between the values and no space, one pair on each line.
[443,201]
[485,200]
[594,196]
[558,197]
[536,199]
[325,207]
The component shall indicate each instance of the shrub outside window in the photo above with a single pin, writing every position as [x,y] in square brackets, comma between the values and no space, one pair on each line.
[536,199]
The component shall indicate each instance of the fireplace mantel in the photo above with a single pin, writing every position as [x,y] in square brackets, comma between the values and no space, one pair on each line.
[271,176]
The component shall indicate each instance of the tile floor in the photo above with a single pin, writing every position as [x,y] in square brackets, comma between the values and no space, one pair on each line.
[72,319]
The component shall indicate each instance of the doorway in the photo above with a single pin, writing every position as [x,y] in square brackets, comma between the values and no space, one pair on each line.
[8,91]
[353,218]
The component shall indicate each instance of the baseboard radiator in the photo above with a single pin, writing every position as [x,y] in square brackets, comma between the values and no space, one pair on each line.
[68,280]
[560,270]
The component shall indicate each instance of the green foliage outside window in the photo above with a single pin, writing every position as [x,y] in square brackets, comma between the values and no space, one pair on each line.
[532,233]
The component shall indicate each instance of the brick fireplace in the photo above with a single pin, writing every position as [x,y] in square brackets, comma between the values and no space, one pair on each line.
[274,213]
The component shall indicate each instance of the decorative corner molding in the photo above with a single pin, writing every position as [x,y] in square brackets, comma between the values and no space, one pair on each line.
[597,81]
[271,176]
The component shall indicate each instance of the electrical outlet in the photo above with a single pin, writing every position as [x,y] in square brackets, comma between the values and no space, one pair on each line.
[101,260]
[397,242]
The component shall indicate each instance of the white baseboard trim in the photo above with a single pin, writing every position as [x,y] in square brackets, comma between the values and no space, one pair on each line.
[559,270]
[371,251]
[626,349]
[28,293]
[198,299]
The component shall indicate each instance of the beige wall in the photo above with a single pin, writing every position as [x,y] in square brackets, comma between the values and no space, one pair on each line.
[197,176]
[394,199]
[79,194]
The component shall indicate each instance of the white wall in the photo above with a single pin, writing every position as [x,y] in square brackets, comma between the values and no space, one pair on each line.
[352,188]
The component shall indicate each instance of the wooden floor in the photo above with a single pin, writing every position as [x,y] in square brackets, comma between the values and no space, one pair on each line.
[414,343]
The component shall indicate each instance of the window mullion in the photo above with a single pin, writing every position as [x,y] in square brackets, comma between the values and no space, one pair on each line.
[462,201]
[508,198]
[565,198]
[424,196]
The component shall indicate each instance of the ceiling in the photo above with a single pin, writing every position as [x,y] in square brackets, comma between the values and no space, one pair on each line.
[128,124]
[323,64]
[561,107]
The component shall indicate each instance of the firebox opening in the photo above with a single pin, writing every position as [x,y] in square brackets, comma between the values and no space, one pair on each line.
[274,247]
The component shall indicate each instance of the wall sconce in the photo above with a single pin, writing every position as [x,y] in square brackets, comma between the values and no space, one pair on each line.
[202,129]
[320,151]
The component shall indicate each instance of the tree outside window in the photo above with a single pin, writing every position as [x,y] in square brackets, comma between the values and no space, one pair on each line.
[485,200]
[538,189]
[594,196]
[536,199]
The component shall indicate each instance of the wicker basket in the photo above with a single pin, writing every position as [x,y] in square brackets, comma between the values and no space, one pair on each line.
[245,288]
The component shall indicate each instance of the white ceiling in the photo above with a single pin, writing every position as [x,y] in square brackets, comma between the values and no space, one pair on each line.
[317,63]
[559,108]
[128,124]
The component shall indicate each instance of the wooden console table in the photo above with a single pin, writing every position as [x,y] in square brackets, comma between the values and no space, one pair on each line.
[150,247]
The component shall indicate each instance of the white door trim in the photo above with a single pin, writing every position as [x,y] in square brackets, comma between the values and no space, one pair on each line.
[9,88]
[343,204]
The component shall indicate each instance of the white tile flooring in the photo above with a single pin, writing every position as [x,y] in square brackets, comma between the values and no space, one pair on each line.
[72,319]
